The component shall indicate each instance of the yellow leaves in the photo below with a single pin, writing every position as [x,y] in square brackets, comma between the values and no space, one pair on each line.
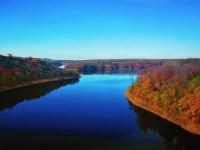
[173,89]
[190,107]
[197,91]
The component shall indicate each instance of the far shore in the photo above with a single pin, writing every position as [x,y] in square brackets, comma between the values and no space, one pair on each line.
[183,123]
[29,83]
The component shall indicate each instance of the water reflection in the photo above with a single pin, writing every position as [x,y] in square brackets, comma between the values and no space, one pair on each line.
[114,71]
[174,137]
[11,98]
[92,115]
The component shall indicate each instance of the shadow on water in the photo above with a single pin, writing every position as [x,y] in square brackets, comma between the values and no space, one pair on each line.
[9,99]
[174,137]
[168,136]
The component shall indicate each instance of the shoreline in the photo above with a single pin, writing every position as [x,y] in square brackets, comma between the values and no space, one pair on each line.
[175,119]
[29,83]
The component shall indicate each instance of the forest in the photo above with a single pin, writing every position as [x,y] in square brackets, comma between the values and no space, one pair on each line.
[113,64]
[16,70]
[173,87]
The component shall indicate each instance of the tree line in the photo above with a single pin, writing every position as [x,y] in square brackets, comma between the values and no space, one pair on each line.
[15,70]
[174,86]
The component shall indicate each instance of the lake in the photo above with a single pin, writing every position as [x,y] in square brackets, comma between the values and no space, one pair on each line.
[89,113]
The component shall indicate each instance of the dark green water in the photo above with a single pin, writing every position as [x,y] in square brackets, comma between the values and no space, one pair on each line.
[90,113]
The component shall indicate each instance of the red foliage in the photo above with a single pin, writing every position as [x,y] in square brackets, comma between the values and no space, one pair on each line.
[17,71]
[173,88]
[2,68]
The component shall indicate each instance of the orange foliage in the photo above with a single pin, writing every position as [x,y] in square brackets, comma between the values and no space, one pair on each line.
[176,88]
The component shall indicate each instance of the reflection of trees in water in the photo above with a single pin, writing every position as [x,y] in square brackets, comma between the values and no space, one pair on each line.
[174,136]
[115,71]
[9,99]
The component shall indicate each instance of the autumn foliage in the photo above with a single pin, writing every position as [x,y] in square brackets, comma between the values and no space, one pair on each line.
[16,70]
[174,86]
[115,64]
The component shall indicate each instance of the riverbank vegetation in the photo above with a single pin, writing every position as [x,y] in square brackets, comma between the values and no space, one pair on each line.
[17,70]
[112,64]
[172,90]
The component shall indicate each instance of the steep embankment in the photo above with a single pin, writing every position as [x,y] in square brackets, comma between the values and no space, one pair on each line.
[171,92]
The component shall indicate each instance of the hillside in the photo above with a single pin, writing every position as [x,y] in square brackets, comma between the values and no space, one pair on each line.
[171,91]
[15,71]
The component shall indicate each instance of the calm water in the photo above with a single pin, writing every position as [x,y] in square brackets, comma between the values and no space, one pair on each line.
[91,113]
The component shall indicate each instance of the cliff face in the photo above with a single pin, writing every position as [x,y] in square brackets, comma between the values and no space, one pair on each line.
[171,92]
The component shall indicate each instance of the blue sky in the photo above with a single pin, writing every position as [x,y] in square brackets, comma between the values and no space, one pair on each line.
[96,29]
